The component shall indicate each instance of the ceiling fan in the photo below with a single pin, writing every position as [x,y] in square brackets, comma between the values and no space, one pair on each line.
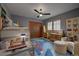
[41,13]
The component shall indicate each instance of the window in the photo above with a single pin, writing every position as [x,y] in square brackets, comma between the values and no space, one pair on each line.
[57,25]
[49,26]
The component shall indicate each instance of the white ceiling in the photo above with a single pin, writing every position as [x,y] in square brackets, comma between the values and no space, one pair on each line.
[27,9]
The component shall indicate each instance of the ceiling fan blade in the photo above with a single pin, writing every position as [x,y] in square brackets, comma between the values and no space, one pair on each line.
[36,11]
[46,13]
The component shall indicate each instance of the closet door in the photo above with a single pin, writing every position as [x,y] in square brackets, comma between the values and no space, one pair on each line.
[35,29]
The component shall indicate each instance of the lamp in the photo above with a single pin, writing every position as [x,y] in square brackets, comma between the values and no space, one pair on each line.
[23,37]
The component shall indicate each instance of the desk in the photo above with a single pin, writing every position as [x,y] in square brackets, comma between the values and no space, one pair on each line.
[54,37]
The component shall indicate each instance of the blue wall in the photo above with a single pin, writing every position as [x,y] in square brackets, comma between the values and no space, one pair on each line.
[23,21]
[63,17]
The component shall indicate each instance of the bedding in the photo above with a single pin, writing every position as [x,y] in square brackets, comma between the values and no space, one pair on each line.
[60,47]
[42,47]
[71,46]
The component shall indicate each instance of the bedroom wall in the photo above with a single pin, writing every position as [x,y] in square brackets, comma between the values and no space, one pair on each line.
[23,21]
[63,17]
[7,12]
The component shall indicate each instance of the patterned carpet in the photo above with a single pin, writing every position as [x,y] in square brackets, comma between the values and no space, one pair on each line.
[47,46]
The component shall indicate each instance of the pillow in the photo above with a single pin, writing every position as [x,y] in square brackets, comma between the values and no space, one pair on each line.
[64,39]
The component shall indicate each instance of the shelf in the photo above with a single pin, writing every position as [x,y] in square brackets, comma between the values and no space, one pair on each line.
[15,28]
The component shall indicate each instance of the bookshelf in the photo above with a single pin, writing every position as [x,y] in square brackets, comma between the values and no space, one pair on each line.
[72,28]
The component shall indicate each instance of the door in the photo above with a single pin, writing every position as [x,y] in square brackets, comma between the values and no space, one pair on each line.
[35,29]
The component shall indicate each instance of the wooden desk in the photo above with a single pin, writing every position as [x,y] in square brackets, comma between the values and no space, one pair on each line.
[54,37]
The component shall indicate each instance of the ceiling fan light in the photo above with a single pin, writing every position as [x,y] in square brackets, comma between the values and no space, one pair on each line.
[41,15]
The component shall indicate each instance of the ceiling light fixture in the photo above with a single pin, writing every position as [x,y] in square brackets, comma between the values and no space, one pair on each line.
[41,15]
